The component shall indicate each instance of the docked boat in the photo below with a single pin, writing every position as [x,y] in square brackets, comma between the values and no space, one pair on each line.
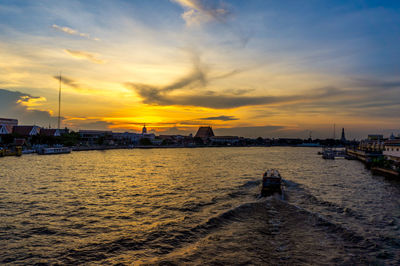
[331,153]
[13,151]
[28,151]
[60,150]
[328,154]
[271,183]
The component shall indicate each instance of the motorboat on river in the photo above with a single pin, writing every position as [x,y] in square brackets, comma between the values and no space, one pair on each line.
[271,183]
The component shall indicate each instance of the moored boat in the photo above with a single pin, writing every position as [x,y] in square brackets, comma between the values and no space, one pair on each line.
[60,150]
[13,151]
[271,183]
[28,151]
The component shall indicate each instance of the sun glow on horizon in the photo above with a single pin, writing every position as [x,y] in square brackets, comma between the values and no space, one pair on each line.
[198,66]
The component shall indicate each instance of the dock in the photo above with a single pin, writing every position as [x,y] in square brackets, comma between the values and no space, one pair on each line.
[363,156]
[385,172]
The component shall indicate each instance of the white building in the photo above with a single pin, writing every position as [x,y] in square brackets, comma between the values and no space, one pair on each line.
[127,137]
[392,149]
[94,136]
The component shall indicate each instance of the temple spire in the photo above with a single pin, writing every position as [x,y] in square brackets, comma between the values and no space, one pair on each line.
[343,138]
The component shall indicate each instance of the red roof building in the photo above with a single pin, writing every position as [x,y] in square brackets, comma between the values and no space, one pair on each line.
[50,132]
[5,129]
[6,125]
[26,130]
[8,121]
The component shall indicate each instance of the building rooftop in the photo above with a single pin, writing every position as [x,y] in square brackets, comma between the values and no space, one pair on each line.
[48,132]
[204,133]
[8,121]
[5,129]
[24,130]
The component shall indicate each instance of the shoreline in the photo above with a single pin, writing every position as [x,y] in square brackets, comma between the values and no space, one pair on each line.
[174,147]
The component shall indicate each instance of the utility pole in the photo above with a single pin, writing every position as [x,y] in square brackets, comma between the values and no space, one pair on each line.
[59,103]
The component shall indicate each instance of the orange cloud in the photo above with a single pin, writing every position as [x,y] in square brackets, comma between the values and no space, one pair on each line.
[85,55]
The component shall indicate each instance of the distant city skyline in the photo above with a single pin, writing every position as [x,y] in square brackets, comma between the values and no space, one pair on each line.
[246,68]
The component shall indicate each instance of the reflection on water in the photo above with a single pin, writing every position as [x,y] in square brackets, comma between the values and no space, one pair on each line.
[195,205]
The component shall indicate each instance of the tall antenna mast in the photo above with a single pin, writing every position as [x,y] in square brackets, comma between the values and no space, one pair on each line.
[334,131]
[59,103]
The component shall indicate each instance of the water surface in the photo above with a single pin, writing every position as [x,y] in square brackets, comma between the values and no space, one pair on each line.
[195,206]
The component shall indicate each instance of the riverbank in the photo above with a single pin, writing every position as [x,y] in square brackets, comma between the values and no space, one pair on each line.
[376,162]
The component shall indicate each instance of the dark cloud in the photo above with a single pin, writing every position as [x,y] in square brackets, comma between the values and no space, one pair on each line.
[160,96]
[156,95]
[67,81]
[196,79]
[257,131]
[380,99]
[174,131]
[72,83]
[221,101]
[151,95]
[377,84]
[226,75]
[11,107]
[221,118]
[360,97]
[89,124]
[238,91]
[194,122]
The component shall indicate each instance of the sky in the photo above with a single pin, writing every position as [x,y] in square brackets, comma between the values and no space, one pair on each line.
[249,68]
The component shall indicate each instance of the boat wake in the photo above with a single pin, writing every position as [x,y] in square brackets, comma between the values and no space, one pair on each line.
[263,230]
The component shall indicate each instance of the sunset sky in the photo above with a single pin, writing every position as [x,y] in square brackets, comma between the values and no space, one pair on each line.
[249,68]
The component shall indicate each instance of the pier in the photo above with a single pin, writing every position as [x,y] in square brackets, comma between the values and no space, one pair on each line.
[364,156]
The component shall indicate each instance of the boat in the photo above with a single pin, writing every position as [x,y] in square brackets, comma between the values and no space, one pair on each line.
[309,145]
[28,151]
[271,183]
[328,153]
[13,151]
[59,150]
[331,153]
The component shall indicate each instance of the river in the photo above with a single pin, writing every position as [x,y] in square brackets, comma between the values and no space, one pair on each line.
[195,206]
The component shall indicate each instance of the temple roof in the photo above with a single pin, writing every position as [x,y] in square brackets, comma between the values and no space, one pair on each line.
[204,133]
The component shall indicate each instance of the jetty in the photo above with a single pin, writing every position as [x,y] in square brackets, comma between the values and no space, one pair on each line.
[366,157]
